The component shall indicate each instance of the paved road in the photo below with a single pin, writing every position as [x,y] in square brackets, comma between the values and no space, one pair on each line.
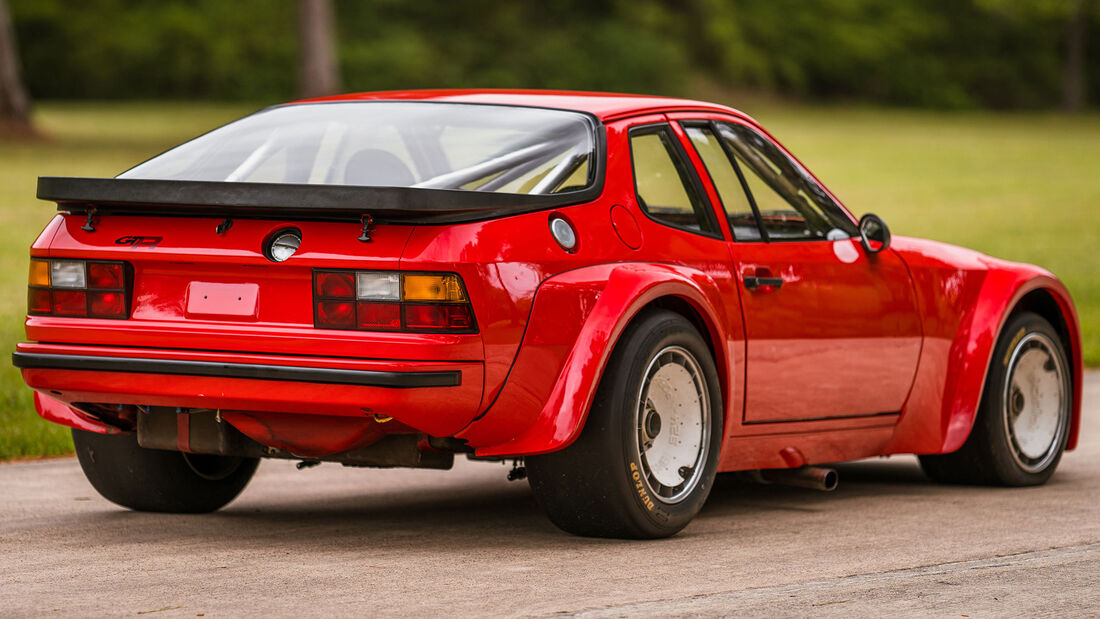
[337,541]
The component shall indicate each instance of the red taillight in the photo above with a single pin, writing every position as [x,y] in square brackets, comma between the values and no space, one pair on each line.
[105,275]
[67,287]
[391,301]
[336,314]
[106,304]
[449,317]
[69,303]
[383,316]
[335,285]
[38,301]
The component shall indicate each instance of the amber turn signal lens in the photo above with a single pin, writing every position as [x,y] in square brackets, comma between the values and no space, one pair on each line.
[40,273]
[444,288]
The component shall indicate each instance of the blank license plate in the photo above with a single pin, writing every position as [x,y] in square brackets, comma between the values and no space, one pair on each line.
[210,300]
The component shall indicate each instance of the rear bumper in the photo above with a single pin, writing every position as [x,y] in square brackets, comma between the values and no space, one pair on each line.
[438,398]
[330,376]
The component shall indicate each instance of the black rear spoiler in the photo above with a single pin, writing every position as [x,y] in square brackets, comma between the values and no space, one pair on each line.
[126,196]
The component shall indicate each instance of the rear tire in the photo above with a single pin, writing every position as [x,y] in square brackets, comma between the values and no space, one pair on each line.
[152,480]
[1023,423]
[647,456]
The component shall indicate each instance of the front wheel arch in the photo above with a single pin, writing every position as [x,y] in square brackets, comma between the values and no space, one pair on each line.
[1052,307]
[995,452]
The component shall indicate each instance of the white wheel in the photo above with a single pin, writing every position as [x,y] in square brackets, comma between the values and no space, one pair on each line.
[1035,402]
[673,424]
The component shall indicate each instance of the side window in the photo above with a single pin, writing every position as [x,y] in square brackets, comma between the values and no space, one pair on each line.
[726,180]
[665,191]
[791,205]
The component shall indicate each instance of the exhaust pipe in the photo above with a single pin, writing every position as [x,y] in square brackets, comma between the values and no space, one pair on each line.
[813,477]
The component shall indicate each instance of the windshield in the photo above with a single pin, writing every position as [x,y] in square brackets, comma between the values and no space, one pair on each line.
[491,148]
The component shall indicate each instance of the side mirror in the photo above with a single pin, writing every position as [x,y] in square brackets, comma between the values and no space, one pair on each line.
[873,233]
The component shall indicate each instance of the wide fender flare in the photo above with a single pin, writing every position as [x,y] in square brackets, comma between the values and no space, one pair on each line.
[546,398]
[971,356]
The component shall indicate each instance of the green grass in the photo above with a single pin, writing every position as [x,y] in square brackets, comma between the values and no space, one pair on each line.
[1017,186]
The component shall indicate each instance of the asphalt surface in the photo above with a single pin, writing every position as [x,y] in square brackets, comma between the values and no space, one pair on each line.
[336,541]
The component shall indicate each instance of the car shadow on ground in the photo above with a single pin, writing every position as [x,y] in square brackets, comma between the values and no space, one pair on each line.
[460,514]
[866,478]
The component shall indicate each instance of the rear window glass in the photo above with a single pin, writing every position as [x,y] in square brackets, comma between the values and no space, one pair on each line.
[491,148]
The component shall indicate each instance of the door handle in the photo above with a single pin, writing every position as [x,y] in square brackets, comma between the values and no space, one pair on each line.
[752,282]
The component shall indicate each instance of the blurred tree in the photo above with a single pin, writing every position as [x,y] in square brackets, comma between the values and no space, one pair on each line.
[317,49]
[928,53]
[1073,85]
[15,109]
[1076,15]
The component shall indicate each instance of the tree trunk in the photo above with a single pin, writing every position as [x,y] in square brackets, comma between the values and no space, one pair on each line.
[15,109]
[317,49]
[1073,82]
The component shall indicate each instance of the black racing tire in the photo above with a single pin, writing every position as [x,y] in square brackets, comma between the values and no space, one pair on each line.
[1009,444]
[601,485]
[153,480]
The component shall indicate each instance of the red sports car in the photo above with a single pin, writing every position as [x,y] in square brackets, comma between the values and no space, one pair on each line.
[624,294]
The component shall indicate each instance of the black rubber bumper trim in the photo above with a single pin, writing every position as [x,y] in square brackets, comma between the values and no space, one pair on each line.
[329,376]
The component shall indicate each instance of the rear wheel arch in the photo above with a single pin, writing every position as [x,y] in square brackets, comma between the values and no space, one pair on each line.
[605,483]
[626,294]
[709,332]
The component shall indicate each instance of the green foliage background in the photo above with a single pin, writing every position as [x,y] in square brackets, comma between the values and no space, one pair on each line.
[939,53]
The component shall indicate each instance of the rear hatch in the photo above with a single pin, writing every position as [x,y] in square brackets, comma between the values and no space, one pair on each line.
[351,181]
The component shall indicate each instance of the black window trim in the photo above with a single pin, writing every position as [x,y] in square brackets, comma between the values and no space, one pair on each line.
[794,162]
[683,164]
[711,125]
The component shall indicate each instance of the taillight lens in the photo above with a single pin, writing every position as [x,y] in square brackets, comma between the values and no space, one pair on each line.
[391,301]
[87,288]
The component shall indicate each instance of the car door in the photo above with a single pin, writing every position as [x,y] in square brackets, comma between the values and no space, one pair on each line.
[831,330]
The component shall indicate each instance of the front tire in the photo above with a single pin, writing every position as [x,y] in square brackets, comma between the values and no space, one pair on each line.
[152,480]
[647,456]
[1023,422]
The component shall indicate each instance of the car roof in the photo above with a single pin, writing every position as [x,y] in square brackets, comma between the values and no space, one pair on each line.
[604,105]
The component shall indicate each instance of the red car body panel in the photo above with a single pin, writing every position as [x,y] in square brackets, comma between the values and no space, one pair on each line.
[857,355]
[966,297]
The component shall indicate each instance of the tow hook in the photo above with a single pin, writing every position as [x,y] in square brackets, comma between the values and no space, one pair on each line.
[518,472]
[307,464]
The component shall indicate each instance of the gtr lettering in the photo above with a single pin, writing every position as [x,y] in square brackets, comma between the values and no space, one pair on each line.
[139,241]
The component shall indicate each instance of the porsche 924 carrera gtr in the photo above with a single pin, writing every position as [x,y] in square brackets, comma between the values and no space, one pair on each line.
[626,294]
